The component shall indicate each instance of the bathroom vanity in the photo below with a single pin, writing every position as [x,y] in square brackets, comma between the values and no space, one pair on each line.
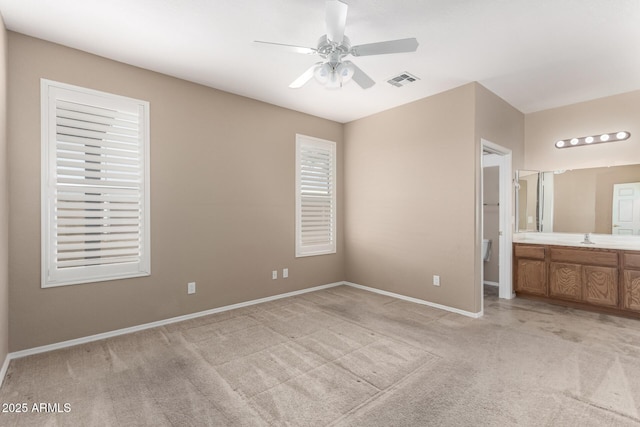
[560,268]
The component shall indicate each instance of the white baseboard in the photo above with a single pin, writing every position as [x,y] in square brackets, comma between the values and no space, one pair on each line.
[110,334]
[416,300]
[486,282]
[5,366]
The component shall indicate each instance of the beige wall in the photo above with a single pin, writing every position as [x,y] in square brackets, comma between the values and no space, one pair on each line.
[222,200]
[409,213]
[4,201]
[498,122]
[412,181]
[610,114]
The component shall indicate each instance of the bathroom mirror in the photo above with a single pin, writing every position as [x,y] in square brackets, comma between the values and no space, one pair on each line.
[526,197]
[602,200]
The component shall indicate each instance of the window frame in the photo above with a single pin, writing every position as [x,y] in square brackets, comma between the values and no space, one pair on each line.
[302,250]
[51,276]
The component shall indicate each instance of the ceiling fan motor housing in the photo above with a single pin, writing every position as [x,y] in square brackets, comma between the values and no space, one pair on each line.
[330,50]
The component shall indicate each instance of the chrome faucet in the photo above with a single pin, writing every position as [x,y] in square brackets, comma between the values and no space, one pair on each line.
[587,239]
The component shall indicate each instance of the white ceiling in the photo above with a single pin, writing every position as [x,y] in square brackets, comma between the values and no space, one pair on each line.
[535,54]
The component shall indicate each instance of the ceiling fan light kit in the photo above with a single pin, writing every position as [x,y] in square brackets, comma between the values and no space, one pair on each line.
[333,71]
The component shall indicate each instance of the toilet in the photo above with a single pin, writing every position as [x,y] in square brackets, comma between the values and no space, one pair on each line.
[486,249]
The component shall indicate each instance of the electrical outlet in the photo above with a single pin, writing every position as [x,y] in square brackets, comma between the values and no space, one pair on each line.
[285,273]
[191,287]
[436,280]
[274,274]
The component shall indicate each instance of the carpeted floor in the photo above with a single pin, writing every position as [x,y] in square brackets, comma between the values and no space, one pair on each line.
[345,357]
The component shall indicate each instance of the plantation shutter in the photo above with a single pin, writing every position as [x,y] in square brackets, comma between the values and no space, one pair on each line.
[95,186]
[316,196]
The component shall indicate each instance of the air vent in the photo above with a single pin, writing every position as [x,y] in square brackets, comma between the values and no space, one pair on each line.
[402,79]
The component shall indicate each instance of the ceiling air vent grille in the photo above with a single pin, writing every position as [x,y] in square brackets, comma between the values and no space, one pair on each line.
[402,79]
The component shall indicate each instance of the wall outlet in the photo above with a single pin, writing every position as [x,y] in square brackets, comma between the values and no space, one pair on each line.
[191,287]
[285,273]
[274,274]
[436,280]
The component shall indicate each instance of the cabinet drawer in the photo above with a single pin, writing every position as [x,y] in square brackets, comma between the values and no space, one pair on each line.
[584,256]
[533,252]
[631,259]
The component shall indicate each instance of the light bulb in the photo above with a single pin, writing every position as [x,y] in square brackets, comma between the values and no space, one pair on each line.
[345,70]
[621,135]
[323,72]
[574,141]
[560,144]
[588,139]
[604,137]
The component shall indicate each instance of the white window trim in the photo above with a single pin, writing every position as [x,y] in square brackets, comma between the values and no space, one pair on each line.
[50,276]
[321,249]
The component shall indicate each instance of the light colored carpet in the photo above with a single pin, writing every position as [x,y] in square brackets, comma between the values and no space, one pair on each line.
[346,357]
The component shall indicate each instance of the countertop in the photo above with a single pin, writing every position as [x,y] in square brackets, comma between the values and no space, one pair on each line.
[600,241]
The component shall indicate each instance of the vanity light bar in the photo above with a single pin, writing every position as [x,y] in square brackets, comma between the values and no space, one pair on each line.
[596,139]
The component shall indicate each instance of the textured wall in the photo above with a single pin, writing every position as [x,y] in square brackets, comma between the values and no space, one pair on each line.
[222,200]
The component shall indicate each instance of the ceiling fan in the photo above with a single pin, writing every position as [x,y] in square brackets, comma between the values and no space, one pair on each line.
[333,71]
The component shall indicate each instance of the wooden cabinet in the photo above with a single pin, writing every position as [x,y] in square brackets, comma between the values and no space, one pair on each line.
[601,285]
[607,279]
[531,269]
[532,276]
[565,280]
[631,281]
[584,274]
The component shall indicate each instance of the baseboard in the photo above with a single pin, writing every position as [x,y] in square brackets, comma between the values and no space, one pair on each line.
[110,334]
[496,284]
[416,300]
[115,333]
[5,366]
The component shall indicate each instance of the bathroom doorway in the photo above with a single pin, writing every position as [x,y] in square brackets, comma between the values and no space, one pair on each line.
[491,222]
[497,161]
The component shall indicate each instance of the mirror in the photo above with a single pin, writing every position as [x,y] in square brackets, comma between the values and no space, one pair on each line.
[602,200]
[527,200]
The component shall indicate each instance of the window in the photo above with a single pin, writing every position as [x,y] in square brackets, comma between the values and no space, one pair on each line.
[315,196]
[95,186]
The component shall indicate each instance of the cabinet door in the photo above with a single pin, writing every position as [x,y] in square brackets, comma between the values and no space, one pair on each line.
[532,276]
[565,280]
[601,285]
[631,290]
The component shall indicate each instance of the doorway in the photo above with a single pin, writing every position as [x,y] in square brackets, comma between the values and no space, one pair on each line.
[496,156]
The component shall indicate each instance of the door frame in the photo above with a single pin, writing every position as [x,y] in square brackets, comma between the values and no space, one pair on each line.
[504,163]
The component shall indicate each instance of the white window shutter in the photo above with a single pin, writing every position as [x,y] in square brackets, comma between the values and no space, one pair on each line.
[315,196]
[95,189]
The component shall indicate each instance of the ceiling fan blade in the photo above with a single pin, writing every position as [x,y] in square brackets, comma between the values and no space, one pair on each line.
[297,49]
[336,20]
[381,48]
[304,77]
[360,77]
